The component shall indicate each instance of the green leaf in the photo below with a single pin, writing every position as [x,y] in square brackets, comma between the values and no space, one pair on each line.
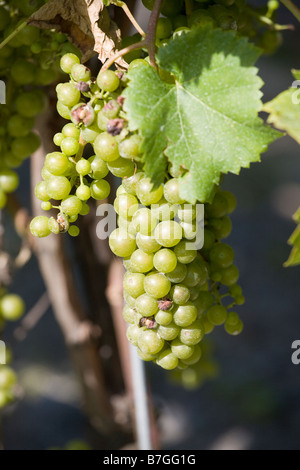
[294,240]
[294,258]
[207,121]
[284,112]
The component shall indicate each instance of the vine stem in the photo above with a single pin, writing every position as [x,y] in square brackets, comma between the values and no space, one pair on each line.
[13,34]
[147,43]
[292,7]
[129,15]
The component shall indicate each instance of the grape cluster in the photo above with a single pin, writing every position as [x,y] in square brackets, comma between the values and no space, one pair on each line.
[174,293]
[11,309]
[27,64]
[236,15]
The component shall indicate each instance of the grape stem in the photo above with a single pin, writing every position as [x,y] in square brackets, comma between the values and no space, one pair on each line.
[13,34]
[265,20]
[147,43]
[292,7]
[130,16]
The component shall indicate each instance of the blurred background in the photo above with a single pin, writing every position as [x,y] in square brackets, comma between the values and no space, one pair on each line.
[252,403]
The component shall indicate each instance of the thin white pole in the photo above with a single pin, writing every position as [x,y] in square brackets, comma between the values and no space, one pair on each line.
[142,418]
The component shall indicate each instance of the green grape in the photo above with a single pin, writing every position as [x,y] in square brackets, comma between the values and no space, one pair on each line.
[185,315]
[100,189]
[165,260]
[221,255]
[143,221]
[63,111]
[146,357]
[19,126]
[70,130]
[168,233]
[209,239]
[108,81]
[122,244]
[126,205]
[68,61]
[129,300]
[134,284]
[23,72]
[121,167]
[217,314]
[196,274]
[83,192]
[163,317]
[184,252]
[130,183]
[9,181]
[68,94]
[56,163]
[71,205]
[141,262]
[163,211]
[85,209]
[203,302]
[221,227]
[167,360]
[39,227]
[180,294]
[23,147]
[58,138]
[192,334]
[83,167]
[235,329]
[163,28]
[146,192]
[12,307]
[89,135]
[30,103]
[187,213]
[80,73]
[74,231]
[8,378]
[195,357]
[132,334]
[70,146]
[235,290]
[102,121]
[157,285]
[111,109]
[58,187]
[178,274]
[180,350]
[129,314]
[171,192]
[46,206]
[149,342]
[99,168]
[168,332]
[131,147]
[230,275]
[146,305]
[147,243]
[231,200]
[106,147]
[41,191]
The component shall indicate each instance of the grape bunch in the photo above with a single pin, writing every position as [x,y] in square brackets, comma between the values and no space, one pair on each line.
[12,307]
[27,64]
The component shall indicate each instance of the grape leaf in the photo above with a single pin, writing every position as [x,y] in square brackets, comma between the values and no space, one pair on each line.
[207,121]
[284,110]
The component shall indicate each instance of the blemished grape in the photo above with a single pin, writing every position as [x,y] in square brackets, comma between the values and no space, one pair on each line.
[168,332]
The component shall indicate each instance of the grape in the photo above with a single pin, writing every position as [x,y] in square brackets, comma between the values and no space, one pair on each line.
[229,275]
[132,334]
[163,28]
[203,302]
[41,191]
[19,126]
[100,189]
[121,167]
[180,294]
[80,73]
[221,255]
[83,193]
[185,315]
[141,262]
[68,94]
[46,206]
[217,314]
[9,181]
[163,211]
[121,243]
[146,305]
[106,147]
[58,187]
[178,274]
[168,233]
[196,274]
[83,167]
[147,243]
[180,350]
[168,332]
[157,285]
[149,342]
[129,300]
[192,334]
[12,307]
[165,260]
[7,377]
[63,110]
[167,360]
[126,205]
[184,253]
[71,205]
[70,130]
[235,329]
[98,168]
[74,231]
[108,81]
[195,357]
[134,284]
[68,61]
[146,192]
[70,146]
[163,317]
[171,192]
[129,314]
[56,163]
[39,227]
[130,147]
